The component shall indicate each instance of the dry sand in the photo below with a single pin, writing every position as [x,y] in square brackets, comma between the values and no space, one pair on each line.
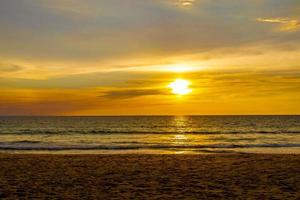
[231,176]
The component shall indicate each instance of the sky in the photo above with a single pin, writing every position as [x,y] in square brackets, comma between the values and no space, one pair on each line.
[119,57]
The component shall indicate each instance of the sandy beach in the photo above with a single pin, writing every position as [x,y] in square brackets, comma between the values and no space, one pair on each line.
[231,176]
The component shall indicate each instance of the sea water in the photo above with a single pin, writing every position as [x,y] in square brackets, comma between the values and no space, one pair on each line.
[151,134]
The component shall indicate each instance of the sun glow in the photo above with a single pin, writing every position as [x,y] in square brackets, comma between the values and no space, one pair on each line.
[180,68]
[180,87]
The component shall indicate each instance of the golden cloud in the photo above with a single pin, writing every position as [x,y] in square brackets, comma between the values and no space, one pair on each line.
[285,24]
[185,3]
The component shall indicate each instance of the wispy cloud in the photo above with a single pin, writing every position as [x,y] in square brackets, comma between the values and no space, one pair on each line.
[285,24]
[131,93]
[185,3]
[9,67]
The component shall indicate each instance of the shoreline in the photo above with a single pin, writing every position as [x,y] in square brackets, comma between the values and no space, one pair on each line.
[150,176]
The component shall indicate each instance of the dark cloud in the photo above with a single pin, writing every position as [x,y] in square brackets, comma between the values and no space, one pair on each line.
[10,68]
[131,93]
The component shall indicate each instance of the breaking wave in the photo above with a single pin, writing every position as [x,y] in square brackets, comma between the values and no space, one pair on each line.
[21,145]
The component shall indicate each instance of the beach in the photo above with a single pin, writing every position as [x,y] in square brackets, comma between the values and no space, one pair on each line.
[206,176]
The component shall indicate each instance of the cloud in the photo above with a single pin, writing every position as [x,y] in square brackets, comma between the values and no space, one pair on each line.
[131,93]
[74,7]
[285,24]
[99,35]
[9,68]
[185,3]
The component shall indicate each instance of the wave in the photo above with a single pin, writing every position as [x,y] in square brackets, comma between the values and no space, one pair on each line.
[204,132]
[25,142]
[51,147]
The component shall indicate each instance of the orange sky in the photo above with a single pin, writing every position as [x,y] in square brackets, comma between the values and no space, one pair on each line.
[118,57]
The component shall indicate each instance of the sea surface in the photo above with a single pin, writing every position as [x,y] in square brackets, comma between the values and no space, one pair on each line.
[151,134]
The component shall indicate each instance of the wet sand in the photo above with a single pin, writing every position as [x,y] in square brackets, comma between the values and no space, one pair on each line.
[230,176]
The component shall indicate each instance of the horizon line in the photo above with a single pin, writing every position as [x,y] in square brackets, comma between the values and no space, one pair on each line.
[148,115]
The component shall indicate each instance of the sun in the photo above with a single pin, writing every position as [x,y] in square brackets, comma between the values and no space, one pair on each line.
[180,87]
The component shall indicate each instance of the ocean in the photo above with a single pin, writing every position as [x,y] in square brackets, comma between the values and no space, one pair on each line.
[150,134]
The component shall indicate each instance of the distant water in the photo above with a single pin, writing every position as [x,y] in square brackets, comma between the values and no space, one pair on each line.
[151,134]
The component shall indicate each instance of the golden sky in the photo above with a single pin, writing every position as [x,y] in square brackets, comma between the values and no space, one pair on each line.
[119,57]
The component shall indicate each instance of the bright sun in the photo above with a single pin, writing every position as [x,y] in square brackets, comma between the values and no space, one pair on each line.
[180,87]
